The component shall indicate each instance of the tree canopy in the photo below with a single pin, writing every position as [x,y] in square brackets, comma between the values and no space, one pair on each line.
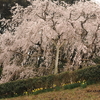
[5,6]
[46,34]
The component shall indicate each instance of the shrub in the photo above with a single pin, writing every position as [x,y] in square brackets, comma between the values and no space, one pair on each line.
[84,85]
[43,91]
[57,88]
[71,86]
[50,81]
[97,60]
[16,88]
[88,74]
[62,78]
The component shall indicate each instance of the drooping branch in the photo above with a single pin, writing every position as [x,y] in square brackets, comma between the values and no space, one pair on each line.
[44,12]
[53,22]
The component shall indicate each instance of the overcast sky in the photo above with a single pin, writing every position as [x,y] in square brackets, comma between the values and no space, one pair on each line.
[97,1]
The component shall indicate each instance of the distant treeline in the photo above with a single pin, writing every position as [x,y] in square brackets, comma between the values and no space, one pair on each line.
[5,6]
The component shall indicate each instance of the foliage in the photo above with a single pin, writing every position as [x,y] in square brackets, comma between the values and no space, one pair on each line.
[19,87]
[43,91]
[37,85]
[71,86]
[62,78]
[34,33]
[97,60]
[83,85]
[57,88]
[5,6]
[1,71]
[89,74]
[91,92]
[72,1]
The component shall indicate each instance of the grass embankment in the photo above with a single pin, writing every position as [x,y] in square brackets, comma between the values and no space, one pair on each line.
[92,92]
[46,87]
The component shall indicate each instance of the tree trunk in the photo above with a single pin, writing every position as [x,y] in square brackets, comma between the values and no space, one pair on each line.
[56,61]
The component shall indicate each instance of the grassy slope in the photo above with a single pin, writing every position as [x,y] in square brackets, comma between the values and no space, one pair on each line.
[90,93]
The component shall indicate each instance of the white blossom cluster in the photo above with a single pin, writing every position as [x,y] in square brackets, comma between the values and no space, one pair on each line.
[28,45]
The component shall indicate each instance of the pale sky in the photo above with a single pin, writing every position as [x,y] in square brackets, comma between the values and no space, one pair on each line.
[97,1]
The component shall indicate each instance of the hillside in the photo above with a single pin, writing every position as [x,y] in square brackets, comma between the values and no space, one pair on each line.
[92,92]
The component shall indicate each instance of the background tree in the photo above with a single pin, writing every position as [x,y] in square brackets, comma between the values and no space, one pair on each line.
[6,5]
[27,48]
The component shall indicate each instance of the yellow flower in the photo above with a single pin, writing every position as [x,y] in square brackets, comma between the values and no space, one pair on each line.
[33,90]
[79,82]
[41,88]
[15,93]
[63,84]
[25,93]
[54,85]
